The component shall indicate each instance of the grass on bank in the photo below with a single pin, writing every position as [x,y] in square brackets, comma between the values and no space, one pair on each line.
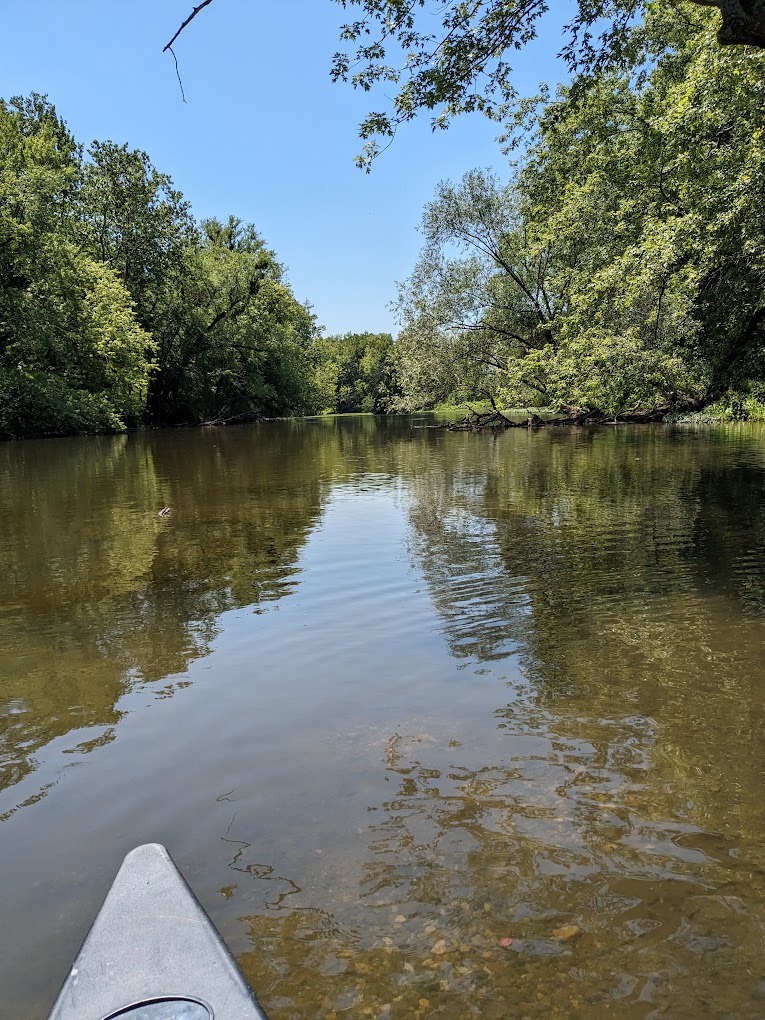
[733,406]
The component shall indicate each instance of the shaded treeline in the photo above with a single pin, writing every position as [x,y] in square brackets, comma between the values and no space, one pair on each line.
[118,309]
[356,372]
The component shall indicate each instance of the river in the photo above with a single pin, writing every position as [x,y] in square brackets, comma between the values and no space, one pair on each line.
[436,725]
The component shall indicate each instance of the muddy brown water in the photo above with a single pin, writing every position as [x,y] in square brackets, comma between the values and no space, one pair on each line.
[435,725]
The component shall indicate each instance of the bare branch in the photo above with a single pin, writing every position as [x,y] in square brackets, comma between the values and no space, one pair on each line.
[186,22]
[183,94]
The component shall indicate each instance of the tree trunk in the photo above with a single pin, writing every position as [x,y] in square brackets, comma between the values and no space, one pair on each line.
[743,21]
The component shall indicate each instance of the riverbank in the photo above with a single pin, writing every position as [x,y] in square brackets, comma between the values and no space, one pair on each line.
[734,406]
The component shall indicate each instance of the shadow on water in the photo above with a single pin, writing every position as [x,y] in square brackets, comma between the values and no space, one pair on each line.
[482,732]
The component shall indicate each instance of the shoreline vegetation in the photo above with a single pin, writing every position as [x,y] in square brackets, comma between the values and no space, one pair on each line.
[737,408]
[473,421]
[120,311]
[619,268]
[478,421]
[616,274]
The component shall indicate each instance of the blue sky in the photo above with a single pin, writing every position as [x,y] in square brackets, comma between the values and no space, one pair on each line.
[264,134]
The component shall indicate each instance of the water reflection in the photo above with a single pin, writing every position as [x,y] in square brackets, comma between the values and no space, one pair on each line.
[99,592]
[492,747]
[629,571]
[608,857]
[546,884]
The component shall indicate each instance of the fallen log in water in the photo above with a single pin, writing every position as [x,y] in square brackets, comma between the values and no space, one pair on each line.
[477,421]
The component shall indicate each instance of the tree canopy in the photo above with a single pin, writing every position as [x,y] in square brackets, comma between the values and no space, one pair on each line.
[455,57]
[624,263]
[450,57]
[118,309]
[357,372]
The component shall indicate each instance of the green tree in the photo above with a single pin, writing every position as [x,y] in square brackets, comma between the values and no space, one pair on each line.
[232,339]
[72,357]
[131,218]
[648,187]
[77,360]
[454,57]
[116,308]
[38,169]
[481,298]
[625,264]
[357,372]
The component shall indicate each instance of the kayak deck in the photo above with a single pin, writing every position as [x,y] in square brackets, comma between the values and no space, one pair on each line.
[154,954]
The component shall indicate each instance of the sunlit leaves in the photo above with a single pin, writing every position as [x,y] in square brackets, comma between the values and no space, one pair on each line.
[640,200]
[117,309]
[452,57]
[481,297]
[356,372]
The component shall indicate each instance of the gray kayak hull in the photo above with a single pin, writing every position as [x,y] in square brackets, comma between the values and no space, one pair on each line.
[152,943]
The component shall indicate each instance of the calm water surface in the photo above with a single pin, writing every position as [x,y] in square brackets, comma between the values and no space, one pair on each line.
[393,697]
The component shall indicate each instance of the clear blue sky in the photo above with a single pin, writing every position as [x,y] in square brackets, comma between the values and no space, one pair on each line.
[264,134]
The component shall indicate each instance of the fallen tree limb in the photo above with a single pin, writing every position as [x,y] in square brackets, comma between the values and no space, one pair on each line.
[477,421]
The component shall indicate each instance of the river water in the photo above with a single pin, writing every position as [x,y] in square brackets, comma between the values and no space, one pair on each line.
[436,725]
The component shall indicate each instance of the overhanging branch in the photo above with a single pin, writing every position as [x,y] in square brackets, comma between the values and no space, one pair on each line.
[187,22]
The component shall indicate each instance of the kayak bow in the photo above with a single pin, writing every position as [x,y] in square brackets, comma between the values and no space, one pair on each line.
[154,954]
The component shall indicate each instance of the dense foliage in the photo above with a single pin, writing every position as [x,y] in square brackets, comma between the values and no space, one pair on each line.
[356,372]
[450,57]
[117,309]
[624,264]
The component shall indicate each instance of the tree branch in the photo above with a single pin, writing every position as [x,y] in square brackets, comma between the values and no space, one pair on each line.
[177,71]
[187,22]
[742,23]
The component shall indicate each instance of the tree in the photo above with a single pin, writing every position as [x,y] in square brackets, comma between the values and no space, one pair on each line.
[652,189]
[481,298]
[130,217]
[76,360]
[72,356]
[38,171]
[232,339]
[452,57]
[117,309]
[638,198]
[356,372]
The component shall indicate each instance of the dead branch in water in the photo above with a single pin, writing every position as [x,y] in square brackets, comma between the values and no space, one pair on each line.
[477,421]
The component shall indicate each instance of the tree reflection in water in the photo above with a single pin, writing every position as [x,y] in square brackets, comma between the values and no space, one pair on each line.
[614,833]
[600,597]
